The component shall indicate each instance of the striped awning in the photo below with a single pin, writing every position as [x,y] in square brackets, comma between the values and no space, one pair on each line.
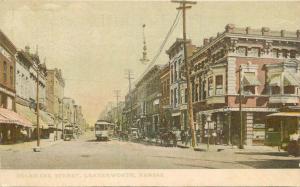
[290,80]
[275,80]
[285,114]
[31,116]
[250,80]
[11,117]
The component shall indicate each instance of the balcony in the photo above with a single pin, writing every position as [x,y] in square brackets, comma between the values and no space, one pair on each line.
[286,99]
[217,99]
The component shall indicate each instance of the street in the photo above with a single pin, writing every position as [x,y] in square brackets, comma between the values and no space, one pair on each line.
[86,153]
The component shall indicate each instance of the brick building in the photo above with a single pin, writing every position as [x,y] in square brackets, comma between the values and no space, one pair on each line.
[266,65]
[178,93]
[164,100]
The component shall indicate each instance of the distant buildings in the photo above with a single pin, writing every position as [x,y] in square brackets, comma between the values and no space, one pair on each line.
[21,72]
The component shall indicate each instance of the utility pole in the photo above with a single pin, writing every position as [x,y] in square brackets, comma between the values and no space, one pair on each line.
[62,121]
[240,109]
[117,95]
[130,77]
[183,6]
[37,149]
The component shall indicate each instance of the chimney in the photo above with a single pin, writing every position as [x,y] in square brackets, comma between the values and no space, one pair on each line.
[27,49]
[248,29]
[282,33]
[211,39]
[264,30]
[229,27]
[205,41]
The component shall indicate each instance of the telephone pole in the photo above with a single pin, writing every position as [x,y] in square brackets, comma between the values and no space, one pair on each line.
[117,95]
[130,77]
[37,149]
[183,6]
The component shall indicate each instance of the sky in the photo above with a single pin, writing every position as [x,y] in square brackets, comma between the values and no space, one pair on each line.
[95,42]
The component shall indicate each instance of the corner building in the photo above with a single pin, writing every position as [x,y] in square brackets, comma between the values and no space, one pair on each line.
[266,65]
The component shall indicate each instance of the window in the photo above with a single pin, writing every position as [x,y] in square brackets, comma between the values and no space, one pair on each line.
[171,74]
[185,95]
[284,53]
[196,92]
[249,90]
[293,54]
[219,85]
[11,74]
[5,71]
[210,86]
[172,97]
[275,90]
[203,89]
[242,51]
[175,72]
[289,89]
[175,97]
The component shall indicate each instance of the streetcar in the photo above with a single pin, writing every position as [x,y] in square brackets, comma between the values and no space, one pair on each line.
[103,130]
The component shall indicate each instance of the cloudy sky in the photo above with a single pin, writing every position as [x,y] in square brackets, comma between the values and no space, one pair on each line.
[94,42]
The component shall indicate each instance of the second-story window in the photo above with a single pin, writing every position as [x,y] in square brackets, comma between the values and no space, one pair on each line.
[219,85]
[171,74]
[5,71]
[284,53]
[11,75]
[293,54]
[210,86]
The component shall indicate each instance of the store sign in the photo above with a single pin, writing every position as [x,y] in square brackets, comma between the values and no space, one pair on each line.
[259,126]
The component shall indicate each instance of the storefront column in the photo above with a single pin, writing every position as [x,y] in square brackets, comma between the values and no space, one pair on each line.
[249,128]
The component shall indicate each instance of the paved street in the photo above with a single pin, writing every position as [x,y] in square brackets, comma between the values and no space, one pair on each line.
[86,153]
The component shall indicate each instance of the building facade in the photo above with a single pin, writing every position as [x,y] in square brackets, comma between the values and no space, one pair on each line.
[261,64]
[164,100]
[148,94]
[178,93]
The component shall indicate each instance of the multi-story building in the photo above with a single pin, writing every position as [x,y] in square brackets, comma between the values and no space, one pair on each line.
[26,89]
[129,118]
[148,101]
[164,100]
[7,72]
[261,64]
[54,96]
[178,93]
[11,123]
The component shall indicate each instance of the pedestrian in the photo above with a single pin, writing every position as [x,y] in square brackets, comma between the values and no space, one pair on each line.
[214,135]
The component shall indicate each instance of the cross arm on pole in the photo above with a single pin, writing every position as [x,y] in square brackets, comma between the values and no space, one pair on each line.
[183,1]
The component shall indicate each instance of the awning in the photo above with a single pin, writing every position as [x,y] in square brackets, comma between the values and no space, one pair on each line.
[250,80]
[285,114]
[275,80]
[11,117]
[31,116]
[176,114]
[47,119]
[290,80]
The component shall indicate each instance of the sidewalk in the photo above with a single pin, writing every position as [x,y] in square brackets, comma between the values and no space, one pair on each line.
[29,145]
[219,148]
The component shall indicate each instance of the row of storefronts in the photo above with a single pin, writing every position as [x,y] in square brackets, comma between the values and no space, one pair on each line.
[22,76]
[239,78]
